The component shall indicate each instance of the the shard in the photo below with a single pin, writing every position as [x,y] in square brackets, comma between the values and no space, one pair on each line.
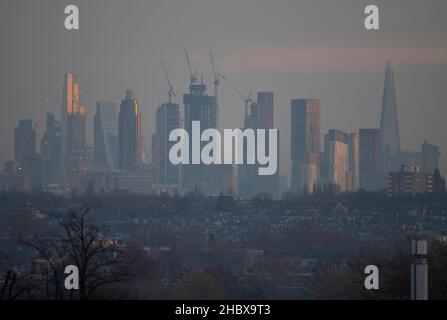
[389,126]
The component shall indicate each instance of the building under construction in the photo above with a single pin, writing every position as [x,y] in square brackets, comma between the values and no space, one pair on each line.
[259,115]
[198,107]
[204,108]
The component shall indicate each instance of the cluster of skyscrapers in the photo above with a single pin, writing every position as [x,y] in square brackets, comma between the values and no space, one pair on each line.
[366,159]
[345,161]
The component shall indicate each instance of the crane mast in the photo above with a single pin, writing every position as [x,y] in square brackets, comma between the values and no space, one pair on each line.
[192,75]
[171,92]
[216,76]
[247,99]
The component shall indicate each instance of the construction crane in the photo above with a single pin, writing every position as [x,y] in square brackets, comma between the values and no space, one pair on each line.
[247,99]
[216,76]
[192,75]
[84,95]
[171,92]
[77,99]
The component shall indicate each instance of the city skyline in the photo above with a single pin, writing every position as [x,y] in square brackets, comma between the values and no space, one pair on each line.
[223,150]
[344,162]
[330,58]
[88,130]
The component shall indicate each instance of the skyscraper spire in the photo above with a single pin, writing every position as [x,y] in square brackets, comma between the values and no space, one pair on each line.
[389,126]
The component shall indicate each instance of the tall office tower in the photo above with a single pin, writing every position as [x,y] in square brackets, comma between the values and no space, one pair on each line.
[198,107]
[24,139]
[260,117]
[166,175]
[353,181]
[76,158]
[340,159]
[310,173]
[70,106]
[335,160]
[306,136]
[430,157]
[389,126]
[129,134]
[33,169]
[25,153]
[106,136]
[50,147]
[82,129]
[369,149]
[73,123]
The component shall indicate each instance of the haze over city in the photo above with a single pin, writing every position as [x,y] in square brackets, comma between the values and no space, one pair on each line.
[295,49]
[223,150]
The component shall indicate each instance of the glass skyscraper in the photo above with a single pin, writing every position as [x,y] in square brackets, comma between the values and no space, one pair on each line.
[306,136]
[166,175]
[129,134]
[389,126]
[106,136]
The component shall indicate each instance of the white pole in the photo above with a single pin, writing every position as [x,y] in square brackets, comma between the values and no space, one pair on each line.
[419,270]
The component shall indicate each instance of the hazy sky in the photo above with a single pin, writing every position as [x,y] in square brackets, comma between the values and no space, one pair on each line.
[294,48]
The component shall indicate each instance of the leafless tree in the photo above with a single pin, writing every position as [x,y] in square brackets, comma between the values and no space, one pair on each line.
[80,242]
[11,288]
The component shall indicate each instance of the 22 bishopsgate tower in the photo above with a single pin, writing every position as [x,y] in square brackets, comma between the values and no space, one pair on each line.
[73,117]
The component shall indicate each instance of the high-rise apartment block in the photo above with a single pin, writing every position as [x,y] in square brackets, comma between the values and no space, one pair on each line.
[341,165]
[409,180]
[306,137]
